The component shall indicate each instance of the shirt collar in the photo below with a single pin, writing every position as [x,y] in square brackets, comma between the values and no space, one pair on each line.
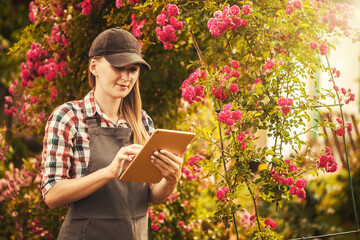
[91,107]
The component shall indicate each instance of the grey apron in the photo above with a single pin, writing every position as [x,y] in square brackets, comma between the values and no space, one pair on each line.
[118,210]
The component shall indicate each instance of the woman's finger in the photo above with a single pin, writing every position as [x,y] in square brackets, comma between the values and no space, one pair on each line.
[169,173]
[168,161]
[171,156]
[159,164]
[135,146]
[129,151]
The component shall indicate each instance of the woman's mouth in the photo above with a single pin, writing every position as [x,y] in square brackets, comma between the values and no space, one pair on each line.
[122,85]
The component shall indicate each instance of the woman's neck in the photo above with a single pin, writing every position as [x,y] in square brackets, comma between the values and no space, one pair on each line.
[109,106]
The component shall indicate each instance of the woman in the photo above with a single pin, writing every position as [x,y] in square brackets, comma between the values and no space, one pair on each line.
[88,144]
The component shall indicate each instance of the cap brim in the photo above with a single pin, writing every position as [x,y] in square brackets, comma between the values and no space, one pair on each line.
[125,59]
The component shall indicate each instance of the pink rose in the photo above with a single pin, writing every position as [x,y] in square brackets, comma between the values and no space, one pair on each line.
[343,90]
[227,107]
[25,74]
[293,190]
[281,102]
[349,127]
[118,3]
[172,10]
[154,227]
[301,194]
[290,181]
[220,195]
[8,99]
[323,49]
[199,90]
[243,23]
[212,22]
[289,10]
[289,101]
[161,20]
[168,45]
[241,137]
[292,168]
[215,31]
[243,145]
[338,73]
[286,110]
[235,64]
[235,74]
[273,224]
[269,65]
[33,99]
[297,4]
[235,10]
[313,45]
[226,69]
[53,93]
[340,132]
[328,150]
[339,120]
[258,80]
[234,88]
[246,9]
[236,115]
[226,189]
[352,97]
[237,21]
[218,14]
[86,7]
[300,183]
[267,221]
[161,216]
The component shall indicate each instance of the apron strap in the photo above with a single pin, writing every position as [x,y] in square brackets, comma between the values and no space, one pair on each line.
[92,121]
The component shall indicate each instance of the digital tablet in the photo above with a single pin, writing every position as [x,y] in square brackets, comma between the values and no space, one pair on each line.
[141,169]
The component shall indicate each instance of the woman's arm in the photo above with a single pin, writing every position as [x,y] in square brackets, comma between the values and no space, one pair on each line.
[170,167]
[70,190]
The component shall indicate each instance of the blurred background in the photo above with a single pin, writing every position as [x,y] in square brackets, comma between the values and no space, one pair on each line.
[329,206]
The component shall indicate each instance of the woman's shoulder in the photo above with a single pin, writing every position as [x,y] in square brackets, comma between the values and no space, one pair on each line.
[145,116]
[148,122]
[68,111]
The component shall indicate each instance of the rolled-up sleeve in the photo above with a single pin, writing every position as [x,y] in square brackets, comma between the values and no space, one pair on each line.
[57,148]
[148,123]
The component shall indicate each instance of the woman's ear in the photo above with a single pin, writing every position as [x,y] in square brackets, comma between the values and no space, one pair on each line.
[92,67]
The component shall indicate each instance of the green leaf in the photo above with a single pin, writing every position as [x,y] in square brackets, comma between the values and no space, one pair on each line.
[270,152]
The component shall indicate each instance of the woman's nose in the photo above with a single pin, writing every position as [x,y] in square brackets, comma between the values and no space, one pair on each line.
[125,74]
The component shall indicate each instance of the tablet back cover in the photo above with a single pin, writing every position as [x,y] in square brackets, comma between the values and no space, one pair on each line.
[141,169]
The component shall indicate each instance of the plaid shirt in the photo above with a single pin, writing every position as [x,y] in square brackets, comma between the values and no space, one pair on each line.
[66,151]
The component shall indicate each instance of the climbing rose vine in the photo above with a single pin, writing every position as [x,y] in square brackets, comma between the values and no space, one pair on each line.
[248,68]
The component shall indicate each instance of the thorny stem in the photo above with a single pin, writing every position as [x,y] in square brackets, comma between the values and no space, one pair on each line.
[346,154]
[255,206]
[216,109]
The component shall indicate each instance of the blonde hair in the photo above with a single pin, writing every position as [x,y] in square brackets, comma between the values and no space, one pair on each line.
[130,109]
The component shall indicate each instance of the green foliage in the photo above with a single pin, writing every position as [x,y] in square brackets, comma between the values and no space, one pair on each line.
[13,18]
[228,150]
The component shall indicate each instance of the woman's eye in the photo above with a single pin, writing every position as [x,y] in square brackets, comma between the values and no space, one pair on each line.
[134,69]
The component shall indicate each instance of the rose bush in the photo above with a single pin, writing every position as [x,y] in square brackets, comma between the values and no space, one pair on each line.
[239,67]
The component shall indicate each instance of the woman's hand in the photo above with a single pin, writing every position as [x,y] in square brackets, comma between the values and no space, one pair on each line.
[122,159]
[169,165]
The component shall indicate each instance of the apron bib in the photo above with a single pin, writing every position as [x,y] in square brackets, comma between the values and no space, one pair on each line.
[118,210]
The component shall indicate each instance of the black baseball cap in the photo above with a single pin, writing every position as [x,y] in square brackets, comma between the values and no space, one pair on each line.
[119,47]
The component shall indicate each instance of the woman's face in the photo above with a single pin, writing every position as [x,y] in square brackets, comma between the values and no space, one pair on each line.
[114,82]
